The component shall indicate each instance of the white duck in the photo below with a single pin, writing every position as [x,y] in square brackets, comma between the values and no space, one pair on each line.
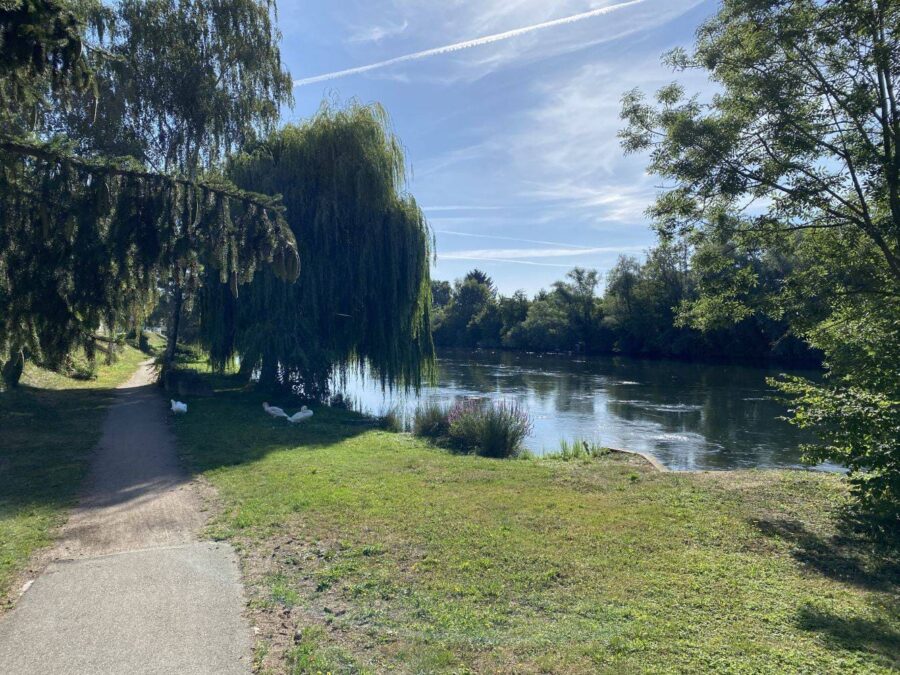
[178,407]
[304,414]
[274,411]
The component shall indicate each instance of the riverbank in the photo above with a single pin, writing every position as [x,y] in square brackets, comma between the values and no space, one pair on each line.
[368,551]
[49,427]
[689,417]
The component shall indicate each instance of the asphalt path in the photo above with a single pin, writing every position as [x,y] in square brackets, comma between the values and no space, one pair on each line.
[131,588]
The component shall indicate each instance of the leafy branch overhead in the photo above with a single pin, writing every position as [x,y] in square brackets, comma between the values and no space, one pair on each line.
[87,237]
[803,136]
[86,242]
[229,213]
[794,165]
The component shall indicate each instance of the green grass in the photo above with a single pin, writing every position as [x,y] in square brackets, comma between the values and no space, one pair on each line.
[48,427]
[576,450]
[367,551]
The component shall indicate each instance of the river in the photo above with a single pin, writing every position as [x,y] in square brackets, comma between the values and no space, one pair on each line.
[689,416]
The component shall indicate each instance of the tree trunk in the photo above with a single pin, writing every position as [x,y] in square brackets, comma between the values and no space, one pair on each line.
[172,331]
[268,374]
[246,369]
[11,371]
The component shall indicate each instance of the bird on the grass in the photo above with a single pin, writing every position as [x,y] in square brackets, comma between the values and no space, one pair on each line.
[304,414]
[274,411]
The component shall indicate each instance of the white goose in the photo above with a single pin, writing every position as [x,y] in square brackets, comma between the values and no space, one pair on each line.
[178,407]
[274,411]
[304,414]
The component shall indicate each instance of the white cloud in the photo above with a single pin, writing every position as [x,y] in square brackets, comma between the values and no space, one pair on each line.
[460,207]
[517,262]
[611,201]
[518,239]
[467,44]
[530,253]
[559,155]
[377,33]
[566,150]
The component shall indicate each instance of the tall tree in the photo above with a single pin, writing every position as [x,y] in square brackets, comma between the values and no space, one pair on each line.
[798,156]
[578,294]
[86,239]
[470,319]
[185,84]
[363,296]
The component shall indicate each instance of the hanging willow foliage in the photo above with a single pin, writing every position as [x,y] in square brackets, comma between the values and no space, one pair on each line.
[363,294]
[85,243]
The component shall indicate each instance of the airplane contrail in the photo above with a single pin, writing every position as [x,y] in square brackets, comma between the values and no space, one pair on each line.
[477,42]
[497,236]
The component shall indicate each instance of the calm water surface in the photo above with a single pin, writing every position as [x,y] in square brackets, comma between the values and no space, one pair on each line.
[689,416]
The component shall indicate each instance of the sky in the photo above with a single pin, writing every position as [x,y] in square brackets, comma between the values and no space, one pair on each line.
[508,110]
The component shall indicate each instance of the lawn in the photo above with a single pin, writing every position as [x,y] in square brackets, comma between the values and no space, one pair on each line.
[371,551]
[48,427]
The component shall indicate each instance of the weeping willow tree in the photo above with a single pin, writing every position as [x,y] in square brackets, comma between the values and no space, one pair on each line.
[363,295]
[85,241]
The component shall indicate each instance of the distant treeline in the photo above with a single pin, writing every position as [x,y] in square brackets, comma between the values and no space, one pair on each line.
[637,315]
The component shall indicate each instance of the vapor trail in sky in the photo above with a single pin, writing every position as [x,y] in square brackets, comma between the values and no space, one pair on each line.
[458,46]
[519,239]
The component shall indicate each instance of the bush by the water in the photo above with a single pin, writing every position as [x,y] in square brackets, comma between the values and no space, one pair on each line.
[341,401]
[430,421]
[391,420]
[577,449]
[488,429]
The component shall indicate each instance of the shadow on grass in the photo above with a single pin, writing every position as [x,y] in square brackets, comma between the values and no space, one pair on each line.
[46,439]
[231,427]
[854,633]
[844,556]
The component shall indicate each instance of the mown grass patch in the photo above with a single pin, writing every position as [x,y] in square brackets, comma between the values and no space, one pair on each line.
[367,551]
[48,427]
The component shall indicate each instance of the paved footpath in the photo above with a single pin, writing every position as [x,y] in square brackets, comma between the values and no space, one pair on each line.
[131,589]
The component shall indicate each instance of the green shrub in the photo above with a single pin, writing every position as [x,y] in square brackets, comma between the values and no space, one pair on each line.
[488,429]
[391,420]
[341,401]
[430,421]
[577,449]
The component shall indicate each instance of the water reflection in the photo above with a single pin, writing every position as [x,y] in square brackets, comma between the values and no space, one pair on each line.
[690,416]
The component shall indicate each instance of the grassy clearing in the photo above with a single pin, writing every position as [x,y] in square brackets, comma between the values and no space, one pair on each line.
[48,427]
[372,551]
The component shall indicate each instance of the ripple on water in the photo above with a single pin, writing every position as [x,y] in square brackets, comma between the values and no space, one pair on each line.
[664,407]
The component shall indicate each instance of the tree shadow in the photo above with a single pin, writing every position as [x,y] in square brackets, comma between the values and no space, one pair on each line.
[46,439]
[845,556]
[49,437]
[850,557]
[231,428]
[855,634]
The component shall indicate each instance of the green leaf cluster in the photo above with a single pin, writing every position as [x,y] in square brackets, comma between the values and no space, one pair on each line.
[88,235]
[363,294]
[793,167]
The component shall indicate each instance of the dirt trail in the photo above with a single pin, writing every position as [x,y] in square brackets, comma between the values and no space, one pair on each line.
[131,588]
[137,495]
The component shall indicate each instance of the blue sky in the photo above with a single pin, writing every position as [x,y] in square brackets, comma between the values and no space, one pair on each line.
[511,140]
